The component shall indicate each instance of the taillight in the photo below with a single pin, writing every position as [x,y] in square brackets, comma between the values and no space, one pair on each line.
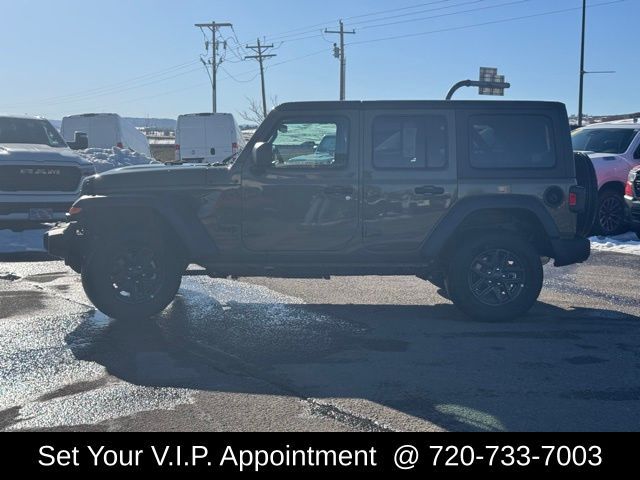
[177,147]
[628,190]
[573,199]
[119,145]
[74,211]
[234,148]
[577,199]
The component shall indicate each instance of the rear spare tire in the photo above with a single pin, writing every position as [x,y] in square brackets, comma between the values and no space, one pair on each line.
[586,178]
[495,277]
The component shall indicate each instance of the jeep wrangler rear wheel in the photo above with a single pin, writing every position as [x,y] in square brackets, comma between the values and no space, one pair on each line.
[133,276]
[495,277]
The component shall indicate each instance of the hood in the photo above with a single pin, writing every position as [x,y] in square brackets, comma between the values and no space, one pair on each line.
[26,152]
[152,177]
[601,156]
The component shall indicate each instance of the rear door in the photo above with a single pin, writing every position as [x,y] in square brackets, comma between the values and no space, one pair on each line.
[218,134]
[192,139]
[409,179]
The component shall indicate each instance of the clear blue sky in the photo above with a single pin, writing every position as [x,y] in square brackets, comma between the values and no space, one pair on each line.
[139,58]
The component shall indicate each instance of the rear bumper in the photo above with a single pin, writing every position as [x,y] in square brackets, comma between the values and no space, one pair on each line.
[570,251]
[633,213]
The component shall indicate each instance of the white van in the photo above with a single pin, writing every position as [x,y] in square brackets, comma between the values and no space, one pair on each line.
[207,137]
[106,130]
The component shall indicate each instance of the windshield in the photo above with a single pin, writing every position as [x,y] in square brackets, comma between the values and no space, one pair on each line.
[327,145]
[603,140]
[27,130]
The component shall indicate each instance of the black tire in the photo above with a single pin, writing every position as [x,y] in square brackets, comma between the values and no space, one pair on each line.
[610,214]
[514,281]
[132,275]
[586,178]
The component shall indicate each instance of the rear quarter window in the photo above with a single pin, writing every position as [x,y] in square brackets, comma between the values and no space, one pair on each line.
[511,142]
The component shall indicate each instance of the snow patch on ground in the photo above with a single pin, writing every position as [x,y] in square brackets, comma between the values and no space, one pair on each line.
[108,158]
[25,241]
[625,243]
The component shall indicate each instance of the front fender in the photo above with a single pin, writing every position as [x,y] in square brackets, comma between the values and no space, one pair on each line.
[179,215]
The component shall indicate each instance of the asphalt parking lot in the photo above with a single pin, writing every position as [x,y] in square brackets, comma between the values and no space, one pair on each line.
[371,353]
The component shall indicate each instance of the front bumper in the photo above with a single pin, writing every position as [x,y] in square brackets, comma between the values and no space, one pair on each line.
[633,213]
[64,242]
[20,211]
[570,251]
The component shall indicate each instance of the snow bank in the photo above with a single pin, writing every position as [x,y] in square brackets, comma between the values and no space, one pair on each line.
[108,158]
[625,243]
[26,241]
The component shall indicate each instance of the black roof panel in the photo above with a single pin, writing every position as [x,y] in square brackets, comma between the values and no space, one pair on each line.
[370,104]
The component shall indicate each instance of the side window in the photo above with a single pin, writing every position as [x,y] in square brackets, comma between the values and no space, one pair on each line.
[311,144]
[410,142]
[511,141]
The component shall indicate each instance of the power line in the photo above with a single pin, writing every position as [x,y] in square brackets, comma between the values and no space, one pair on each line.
[442,15]
[89,92]
[491,22]
[470,2]
[235,77]
[307,28]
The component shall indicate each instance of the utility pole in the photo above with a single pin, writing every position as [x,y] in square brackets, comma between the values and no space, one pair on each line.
[338,52]
[213,62]
[260,56]
[582,72]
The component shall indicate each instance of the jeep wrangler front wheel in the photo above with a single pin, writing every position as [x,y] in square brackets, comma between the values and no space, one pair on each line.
[495,277]
[131,277]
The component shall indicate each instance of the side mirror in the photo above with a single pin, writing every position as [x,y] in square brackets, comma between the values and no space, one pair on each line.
[262,155]
[80,141]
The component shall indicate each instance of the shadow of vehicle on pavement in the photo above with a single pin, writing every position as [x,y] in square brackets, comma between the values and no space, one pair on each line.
[427,362]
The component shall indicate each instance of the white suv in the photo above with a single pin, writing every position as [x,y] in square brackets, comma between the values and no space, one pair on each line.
[40,176]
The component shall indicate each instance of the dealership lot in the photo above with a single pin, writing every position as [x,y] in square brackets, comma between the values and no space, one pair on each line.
[370,353]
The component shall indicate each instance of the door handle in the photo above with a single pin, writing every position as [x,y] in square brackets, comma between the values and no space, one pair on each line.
[429,190]
[338,190]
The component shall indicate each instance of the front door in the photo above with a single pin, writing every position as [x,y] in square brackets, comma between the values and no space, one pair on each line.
[307,198]
[409,176]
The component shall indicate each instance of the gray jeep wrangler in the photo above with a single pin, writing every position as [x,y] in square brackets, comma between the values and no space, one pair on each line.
[473,196]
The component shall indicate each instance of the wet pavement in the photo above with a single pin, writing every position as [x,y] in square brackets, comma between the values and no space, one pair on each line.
[369,353]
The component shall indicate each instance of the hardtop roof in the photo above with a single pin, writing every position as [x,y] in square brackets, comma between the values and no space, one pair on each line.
[390,104]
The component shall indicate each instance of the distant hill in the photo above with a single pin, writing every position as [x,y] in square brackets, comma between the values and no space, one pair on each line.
[159,123]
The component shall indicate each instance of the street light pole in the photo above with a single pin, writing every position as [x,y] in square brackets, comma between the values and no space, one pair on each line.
[582,72]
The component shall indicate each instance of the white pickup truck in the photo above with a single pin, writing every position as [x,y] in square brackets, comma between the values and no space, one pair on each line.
[40,176]
[614,149]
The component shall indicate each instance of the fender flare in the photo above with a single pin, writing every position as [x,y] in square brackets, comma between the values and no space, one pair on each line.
[179,217]
[444,230]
